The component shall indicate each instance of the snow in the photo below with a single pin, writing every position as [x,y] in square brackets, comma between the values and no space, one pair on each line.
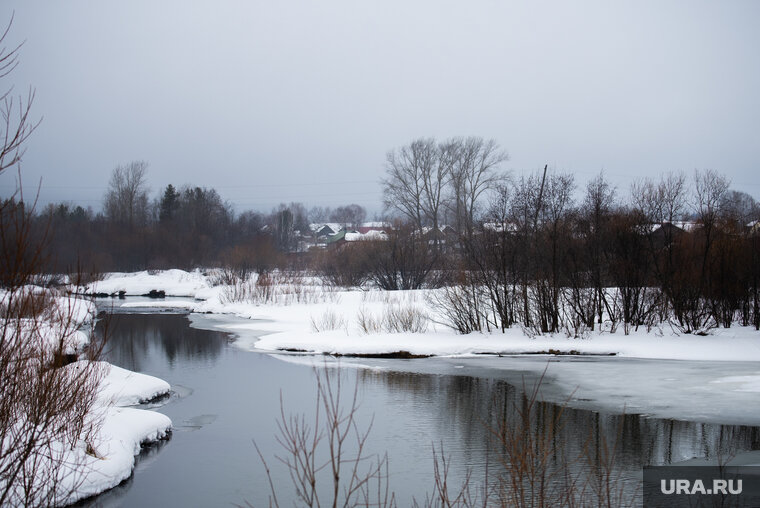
[369,235]
[162,304]
[742,344]
[105,458]
[173,282]
[661,372]
[121,435]
[122,387]
[61,325]
[741,383]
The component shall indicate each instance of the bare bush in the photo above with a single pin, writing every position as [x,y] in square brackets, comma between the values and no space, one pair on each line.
[328,465]
[404,261]
[327,459]
[224,277]
[368,323]
[45,403]
[395,318]
[399,319]
[346,266]
[464,307]
[275,288]
[329,320]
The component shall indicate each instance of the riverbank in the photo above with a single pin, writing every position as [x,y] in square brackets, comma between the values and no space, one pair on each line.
[360,323]
[72,432]
[123,431]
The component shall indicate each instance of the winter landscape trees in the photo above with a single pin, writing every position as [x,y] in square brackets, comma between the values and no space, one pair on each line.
[540,250]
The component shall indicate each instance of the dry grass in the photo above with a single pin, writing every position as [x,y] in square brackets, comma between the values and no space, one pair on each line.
[329,320]
[396,318]
[275,288]
[368,323]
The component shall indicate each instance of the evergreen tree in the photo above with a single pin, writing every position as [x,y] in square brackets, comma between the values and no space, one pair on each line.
[169,204]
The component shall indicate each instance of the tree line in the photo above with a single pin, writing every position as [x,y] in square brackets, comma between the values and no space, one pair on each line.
[539,251]
[182,227]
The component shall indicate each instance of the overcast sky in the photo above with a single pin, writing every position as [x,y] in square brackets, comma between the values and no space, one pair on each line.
[300,101]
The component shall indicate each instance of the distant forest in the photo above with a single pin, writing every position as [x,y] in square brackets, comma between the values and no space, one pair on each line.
[185,227]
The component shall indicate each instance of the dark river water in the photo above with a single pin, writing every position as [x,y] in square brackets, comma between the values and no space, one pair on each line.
[224,398]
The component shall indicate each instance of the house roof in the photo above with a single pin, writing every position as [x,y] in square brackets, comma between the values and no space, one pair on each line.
[319,226]
[500,227]
[687,226]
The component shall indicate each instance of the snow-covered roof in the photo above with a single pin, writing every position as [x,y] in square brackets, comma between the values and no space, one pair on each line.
[687,226]
[370,235]
[500,227]
[334,226]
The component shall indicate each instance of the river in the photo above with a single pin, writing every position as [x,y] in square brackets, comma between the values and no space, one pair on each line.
[225,397]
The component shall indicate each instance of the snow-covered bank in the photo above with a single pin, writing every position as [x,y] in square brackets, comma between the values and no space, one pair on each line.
[107,458]
[122,387]
[335,322]
[121,435]
[736,344]
[172,282]
[71,432]
[122,431]
[661,373]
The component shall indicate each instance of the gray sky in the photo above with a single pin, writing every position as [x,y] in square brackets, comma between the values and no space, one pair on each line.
[300,101]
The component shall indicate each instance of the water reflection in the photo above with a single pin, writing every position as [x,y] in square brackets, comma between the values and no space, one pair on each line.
[480,406]
[158,339]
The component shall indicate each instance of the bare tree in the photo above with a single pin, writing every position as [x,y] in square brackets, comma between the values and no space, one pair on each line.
[473,172]
[404,186]
[350,216]
[16,125]
[320,214]
[710,193]
[666,201]
[740,207]
[425,175]
[417,178]
[659,206]
[555,207]
[126,202]
[596,210]
[436,177]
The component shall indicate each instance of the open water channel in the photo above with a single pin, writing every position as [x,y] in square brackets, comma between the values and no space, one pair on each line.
[224,397]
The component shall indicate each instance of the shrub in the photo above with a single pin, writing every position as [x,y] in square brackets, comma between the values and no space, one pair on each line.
[329,320]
